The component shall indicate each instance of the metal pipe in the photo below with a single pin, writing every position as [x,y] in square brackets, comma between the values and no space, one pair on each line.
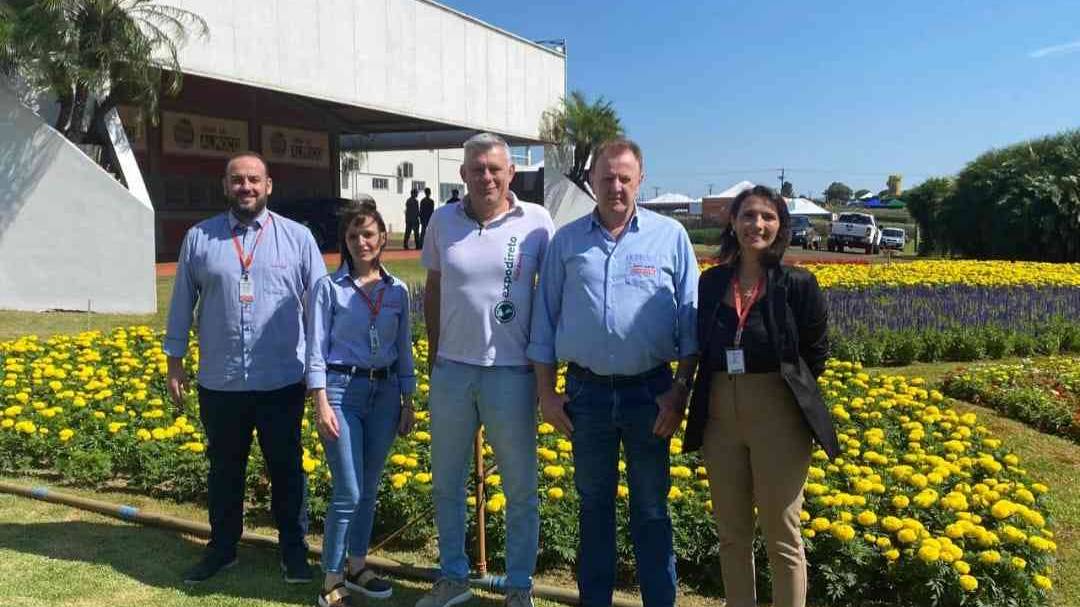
[493,583]
[481,500]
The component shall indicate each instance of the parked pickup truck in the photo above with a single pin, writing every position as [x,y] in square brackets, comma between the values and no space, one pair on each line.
[893,238]
[855,230]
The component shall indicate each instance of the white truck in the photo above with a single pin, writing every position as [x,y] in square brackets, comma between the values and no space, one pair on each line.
[855,230]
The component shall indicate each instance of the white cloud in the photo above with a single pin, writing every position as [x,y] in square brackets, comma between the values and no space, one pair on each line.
[1059,49]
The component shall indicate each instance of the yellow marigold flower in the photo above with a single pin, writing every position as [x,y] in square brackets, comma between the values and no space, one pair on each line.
[422,436]
[424,478]
[900,502]
[1018,562]
[961,567]
[928,553]
[545,428]
[1043,582]
[907,536]
[820,524]
[866,518]
[143,434]
[66,434]
[804,516]
[399,480]
[555,493]
[1002,509]
[397,459]
[624,491]
[892,555]
[674,494]
[843,532]
[968,583]
[554,471]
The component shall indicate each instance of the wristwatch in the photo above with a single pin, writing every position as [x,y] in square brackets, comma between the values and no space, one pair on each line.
[682,382]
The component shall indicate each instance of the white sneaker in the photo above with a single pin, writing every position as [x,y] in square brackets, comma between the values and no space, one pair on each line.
[446,593]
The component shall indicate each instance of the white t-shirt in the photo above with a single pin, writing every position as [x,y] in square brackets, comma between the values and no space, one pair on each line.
[487,279]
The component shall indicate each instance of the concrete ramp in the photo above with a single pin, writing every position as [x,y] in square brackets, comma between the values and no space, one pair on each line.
[71,235]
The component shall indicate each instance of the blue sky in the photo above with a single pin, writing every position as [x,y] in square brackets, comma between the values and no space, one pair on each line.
[844,91]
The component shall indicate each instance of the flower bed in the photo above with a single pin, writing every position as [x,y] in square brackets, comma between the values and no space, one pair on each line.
[924,507]
[1044,394]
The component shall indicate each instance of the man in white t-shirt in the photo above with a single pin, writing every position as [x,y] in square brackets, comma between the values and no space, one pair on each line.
[482,257]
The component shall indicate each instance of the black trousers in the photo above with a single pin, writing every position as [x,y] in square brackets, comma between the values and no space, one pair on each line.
[414,229]
[229,418]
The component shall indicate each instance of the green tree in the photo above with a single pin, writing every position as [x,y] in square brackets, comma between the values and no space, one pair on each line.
[119,51]
[577,127]
[1019,202]
[838,192]
[926,202]
[787,190]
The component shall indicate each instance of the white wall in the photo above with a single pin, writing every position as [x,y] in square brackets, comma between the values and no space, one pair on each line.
[410,57]
[430,166]
[69,232]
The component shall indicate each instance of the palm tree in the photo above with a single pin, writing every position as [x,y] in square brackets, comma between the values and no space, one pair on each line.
[121,51]
[576,127]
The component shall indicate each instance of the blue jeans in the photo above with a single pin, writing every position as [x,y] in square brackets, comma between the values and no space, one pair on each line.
[368,412]
[503,399]
[603,416]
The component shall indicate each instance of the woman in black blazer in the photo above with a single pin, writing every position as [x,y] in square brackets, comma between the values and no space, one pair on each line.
[756,403]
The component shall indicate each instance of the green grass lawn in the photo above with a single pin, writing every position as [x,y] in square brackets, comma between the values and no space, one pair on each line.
[14,324]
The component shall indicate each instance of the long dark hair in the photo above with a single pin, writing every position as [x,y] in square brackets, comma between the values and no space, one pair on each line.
[729,244]
[363,206]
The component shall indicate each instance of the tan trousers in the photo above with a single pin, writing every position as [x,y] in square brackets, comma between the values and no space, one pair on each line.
[757,449]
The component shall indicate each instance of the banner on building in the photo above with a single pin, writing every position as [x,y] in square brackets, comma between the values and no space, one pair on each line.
[134,126]
[296,146]
[194,135]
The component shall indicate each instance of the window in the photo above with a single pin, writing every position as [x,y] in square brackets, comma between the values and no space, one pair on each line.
[380,183]
[419,186]
[405,169]
[446,188]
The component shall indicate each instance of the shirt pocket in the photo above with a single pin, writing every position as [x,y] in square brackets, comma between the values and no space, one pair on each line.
[643,271]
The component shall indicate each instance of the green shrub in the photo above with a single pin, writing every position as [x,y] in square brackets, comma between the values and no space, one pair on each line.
[998,343]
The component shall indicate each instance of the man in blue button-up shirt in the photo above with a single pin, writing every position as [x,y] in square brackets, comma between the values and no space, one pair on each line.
[617,301]
[248,269]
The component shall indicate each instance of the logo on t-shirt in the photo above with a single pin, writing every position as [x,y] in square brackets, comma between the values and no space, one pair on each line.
[505,311]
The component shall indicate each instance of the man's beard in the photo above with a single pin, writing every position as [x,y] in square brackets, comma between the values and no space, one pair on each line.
[246,215]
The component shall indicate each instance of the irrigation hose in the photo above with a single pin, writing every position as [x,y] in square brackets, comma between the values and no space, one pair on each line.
[493,583]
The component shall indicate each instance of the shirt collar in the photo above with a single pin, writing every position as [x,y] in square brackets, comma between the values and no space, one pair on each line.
[259,222]
[515,210]
[635,219]
[341,275]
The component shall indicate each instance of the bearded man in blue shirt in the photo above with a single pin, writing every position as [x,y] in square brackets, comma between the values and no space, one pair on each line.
[617,301]
[248,269]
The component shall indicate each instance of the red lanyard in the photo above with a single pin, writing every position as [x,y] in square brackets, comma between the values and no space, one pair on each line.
[245,262]
[742,314]
[373,306]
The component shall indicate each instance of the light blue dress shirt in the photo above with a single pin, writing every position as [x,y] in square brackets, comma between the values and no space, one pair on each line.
[617,306]
[244,346]
[338,323]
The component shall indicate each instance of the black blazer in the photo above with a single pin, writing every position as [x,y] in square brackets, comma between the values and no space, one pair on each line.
[797,322]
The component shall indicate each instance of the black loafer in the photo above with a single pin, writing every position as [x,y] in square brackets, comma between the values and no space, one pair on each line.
[208,567]
[295,569]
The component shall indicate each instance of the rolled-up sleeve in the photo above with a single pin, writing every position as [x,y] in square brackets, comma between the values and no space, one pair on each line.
[406,365]
[686,297]
[182,307]
[320,314]
[547,305]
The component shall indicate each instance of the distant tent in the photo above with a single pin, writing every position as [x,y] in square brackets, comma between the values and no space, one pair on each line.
[804,206]
[873,203]
[733,191]
[669,198]
[895,203]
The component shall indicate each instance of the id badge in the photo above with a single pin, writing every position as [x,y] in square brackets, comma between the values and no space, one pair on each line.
[247,289]
[373,338]
[736,364]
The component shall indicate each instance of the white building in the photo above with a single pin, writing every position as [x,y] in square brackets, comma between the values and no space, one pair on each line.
[389,177]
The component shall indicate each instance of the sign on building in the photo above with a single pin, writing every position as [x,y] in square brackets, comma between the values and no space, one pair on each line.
[194,135]
[296,146]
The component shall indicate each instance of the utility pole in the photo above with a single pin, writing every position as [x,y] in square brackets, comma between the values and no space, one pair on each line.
[656,191]
[710,189]
[781,178]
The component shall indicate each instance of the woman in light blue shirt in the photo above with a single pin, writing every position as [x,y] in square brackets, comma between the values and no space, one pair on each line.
[360,374]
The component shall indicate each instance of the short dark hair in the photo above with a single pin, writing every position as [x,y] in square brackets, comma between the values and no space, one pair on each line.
[413,192]
[618,145]
[427,191]
[453,192]
[247,154]
[350,211]
[729,244]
